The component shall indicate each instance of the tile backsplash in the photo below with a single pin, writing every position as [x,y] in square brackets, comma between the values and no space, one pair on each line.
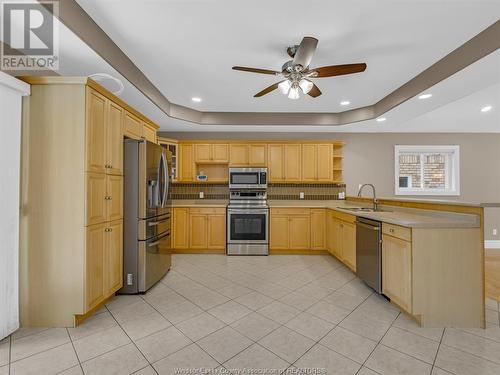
[282,191]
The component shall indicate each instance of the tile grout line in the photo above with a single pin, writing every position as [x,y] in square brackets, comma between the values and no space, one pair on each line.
[10,352]
[76,353]
[437,351]
[133,342]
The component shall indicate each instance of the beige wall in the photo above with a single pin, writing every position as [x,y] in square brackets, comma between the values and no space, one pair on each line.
[370,158]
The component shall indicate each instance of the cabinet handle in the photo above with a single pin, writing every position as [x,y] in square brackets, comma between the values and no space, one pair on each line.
[391,230]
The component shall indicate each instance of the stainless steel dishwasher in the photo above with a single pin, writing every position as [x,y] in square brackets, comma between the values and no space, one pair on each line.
[369,252]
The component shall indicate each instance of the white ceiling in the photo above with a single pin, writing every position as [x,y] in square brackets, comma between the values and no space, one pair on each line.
[454,106]
[187,47]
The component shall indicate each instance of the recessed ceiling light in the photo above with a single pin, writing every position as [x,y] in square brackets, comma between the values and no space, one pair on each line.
[425,96]
[381,119]
[345,102]
[486,108]
[196,99]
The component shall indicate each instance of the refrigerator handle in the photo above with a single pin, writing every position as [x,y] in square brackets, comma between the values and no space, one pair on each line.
[159,201]
[166,180]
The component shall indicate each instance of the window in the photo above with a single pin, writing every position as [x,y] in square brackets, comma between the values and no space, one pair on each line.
[427,170]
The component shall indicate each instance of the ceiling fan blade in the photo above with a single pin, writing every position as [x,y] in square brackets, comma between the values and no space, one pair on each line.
[304,54]
[267,90]
[256,70]
[338,70]
[314,92]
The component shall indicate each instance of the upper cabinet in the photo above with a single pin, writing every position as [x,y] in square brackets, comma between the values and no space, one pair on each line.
[132,126]
[211,153]
[104,134]
[186,162]
[253,155]
[284,162]
[317,162]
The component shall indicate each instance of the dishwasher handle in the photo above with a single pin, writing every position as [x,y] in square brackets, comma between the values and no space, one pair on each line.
[367,226]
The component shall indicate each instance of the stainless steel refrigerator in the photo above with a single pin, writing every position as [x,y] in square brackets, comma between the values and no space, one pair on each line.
[147,215]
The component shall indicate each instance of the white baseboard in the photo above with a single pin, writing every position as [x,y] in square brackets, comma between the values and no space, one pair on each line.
[492,244]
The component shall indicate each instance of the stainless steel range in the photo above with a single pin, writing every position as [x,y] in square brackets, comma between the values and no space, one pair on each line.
[248,220]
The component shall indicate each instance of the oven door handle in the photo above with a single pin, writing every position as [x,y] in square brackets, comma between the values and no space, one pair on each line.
[245,211]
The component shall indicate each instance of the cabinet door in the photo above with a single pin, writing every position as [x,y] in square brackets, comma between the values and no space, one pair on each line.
[299,232]
[114,139]
[149,133]
[396,271]
[94,265]
[180,228]
[275,163]
[257,155]
[349,244]
[324,162]
[318,229]
[309,162]
[337,238]
[202,153]
[292,162]
[96,132]
[330,232]
[114,198]
[132,126]
[113,258]
[198,231]
[238,155]
[216,232]
[278,232]
[186,163]
[220,153]
[96,198]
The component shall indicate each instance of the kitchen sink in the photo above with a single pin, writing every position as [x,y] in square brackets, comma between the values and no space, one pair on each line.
[362,209]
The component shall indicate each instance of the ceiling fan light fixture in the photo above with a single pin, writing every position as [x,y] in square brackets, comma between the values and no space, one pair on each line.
[294,93]
[284,87]
[305,85]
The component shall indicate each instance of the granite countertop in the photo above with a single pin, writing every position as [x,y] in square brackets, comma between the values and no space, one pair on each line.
[407,217]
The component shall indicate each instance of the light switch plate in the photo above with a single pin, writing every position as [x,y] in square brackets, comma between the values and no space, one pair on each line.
[495,232]
[201,195]
[301,195]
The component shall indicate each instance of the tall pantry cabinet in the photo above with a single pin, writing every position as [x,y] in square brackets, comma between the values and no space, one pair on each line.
[71,246]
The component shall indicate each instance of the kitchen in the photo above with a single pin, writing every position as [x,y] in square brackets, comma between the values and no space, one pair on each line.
[246,233]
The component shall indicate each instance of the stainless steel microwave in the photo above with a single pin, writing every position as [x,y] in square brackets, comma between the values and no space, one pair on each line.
[247,178]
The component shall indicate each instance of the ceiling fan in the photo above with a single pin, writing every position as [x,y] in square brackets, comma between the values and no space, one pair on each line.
[297,73]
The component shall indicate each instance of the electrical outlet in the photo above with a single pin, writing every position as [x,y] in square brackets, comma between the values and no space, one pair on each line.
[301,195]
[495,232]
[201,195]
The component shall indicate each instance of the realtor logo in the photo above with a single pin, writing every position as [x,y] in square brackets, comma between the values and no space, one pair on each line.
[30,35]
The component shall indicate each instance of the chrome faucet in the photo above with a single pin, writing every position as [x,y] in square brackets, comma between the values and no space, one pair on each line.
[375,200]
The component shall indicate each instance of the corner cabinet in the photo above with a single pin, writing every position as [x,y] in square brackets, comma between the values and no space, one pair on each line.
[341,237]
[71,246]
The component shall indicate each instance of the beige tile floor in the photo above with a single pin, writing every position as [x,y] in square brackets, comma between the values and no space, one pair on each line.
[276,312]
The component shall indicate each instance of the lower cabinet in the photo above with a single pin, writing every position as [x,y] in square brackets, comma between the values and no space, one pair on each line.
[103,262]
[199,228]
[397,271]
[290,229]
[341,237]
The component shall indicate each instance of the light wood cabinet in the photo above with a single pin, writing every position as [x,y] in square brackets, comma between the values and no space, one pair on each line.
[114,137]
[114,198]
[132,126]
[284,162]
[96,203]
[180,228]
[186,162]
[337,249]
[216,224]
[290,229]
[96,135]
[317,162]
[81,185]
[149,133]
[94,265]
[113,258]
[318,229]
[211,153]
[349,245]
[199,228]
[198,238]
[254,155]
[396,271]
